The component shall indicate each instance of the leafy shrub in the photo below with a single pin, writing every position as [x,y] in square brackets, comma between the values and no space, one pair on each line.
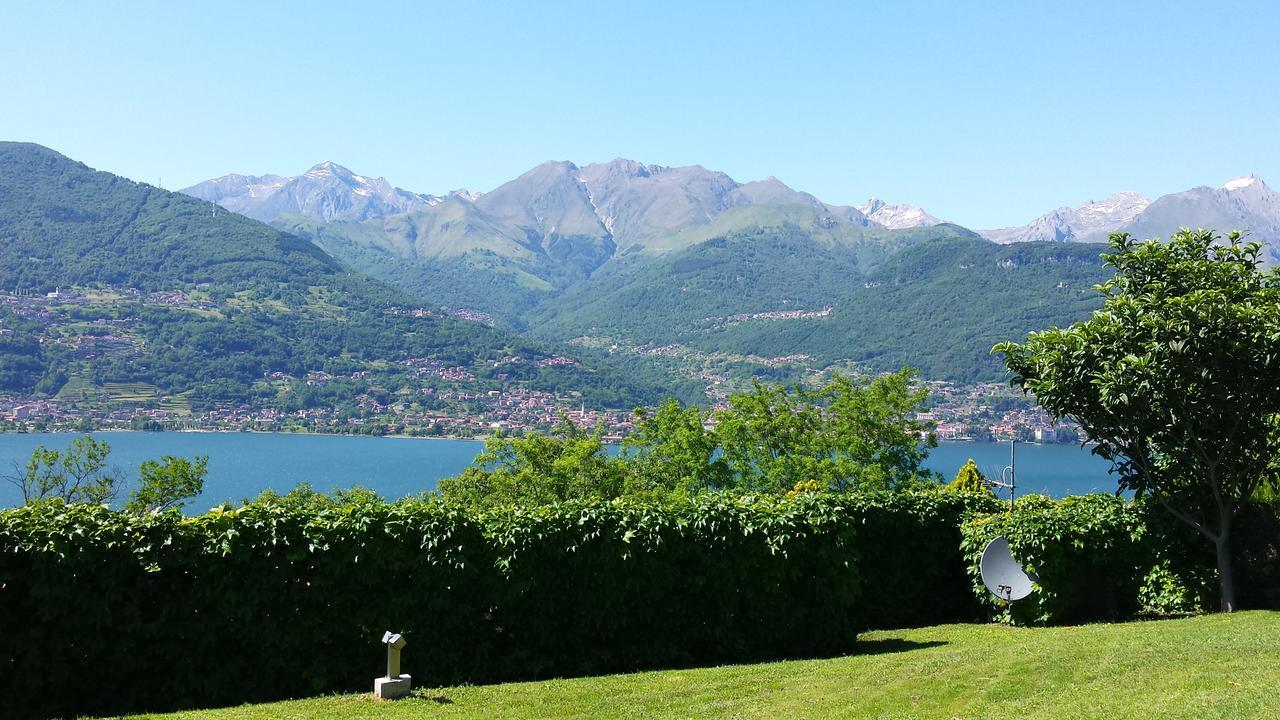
[539,469]
[970,479]
[282,598]
[1097,557]
[232,606]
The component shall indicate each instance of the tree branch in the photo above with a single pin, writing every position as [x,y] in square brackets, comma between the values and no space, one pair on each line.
[1186,518]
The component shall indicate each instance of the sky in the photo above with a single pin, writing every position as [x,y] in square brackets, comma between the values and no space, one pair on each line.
[984,113]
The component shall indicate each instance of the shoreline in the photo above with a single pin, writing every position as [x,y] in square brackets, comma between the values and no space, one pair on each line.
[104,431]
[402,436]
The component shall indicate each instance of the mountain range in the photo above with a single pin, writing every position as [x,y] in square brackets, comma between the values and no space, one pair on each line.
[624,206]
[533,237]
[658,280]
[624,254]
[630,202]
[1090,222]
[326,192]
[1245,203]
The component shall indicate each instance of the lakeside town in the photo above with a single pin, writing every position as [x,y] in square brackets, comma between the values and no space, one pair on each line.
[435,399]
[987,412]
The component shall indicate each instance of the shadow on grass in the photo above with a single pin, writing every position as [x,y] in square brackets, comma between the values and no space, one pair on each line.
[438,694]
[892,645]
[436,697]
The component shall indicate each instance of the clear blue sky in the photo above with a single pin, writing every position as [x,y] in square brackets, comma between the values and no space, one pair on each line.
[986,113]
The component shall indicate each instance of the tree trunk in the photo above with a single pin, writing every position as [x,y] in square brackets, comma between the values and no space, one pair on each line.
[1226,583]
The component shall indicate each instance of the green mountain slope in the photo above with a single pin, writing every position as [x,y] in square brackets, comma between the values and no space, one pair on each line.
[677,295]
[466,262]
[769,281]
[817,224]
[450,252]
[936,304]
[62,223]
[941,305]
[215,307]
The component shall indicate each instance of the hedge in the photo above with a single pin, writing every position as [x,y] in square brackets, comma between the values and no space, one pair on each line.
[1256,543]
[913,569]
[1100,557]
[104,612]
[99,609]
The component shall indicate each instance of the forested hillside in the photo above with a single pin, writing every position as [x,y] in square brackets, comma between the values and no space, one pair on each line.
[938,305]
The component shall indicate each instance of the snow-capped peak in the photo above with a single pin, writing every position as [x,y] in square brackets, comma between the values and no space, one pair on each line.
[328,168]
[871,205]
[328,192]
[1090,222]
[1120,207]
[896,216]
[1241,182]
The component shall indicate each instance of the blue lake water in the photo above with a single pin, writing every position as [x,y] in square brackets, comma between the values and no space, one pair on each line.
[243,464]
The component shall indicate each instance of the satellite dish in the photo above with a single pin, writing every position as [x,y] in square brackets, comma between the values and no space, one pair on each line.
[1002,575]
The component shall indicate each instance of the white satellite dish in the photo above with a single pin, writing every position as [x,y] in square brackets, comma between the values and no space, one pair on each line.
[1002,575]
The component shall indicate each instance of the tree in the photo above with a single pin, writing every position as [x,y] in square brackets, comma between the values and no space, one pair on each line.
[1176,378]
[304,497]
[850,434]
[672,451]
[874,429]
[538,469]
[970,479]
[773,438]
[78,474]
[168,483]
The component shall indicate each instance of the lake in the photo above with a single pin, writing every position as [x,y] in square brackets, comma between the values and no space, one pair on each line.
[243,464]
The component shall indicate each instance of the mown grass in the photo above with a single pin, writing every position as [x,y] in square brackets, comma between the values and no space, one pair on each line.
[1218,666]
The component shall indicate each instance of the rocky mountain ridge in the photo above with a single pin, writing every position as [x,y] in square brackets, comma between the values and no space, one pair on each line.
[593,212]
[1090,222]
[1244,203]
[630,202]
[327,192]
[896,216]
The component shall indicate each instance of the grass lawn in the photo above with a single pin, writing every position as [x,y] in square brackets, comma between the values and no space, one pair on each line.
[1219,666]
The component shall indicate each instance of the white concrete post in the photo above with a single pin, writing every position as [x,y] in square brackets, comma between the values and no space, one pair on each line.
[395,684]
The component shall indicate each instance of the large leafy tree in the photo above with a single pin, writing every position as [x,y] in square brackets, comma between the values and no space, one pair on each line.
[874,430]
[672,450]
[772,437]
[536,469]
[1176,378]
[850,434]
